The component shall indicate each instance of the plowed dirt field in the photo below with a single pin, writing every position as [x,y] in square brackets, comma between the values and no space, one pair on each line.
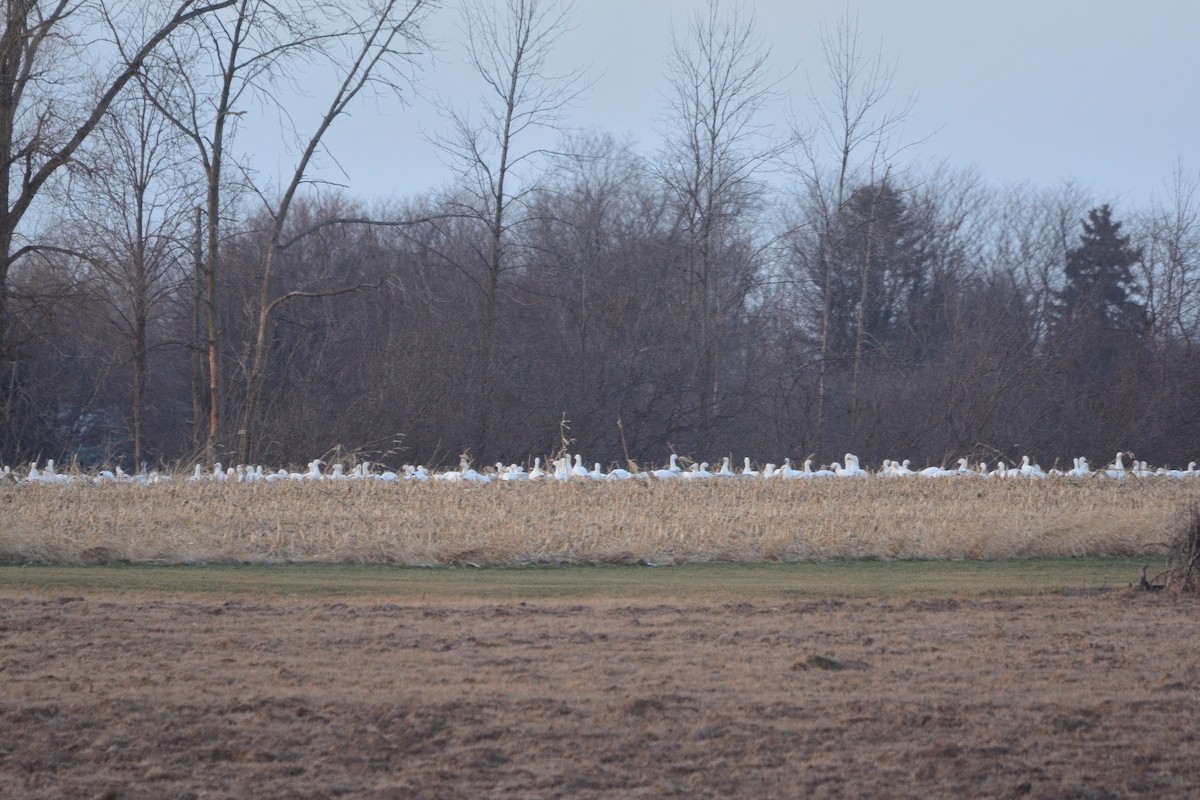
[118,695]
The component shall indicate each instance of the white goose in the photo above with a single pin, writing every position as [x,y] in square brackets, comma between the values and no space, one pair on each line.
[1117,468]
[1030,470]
[579,470]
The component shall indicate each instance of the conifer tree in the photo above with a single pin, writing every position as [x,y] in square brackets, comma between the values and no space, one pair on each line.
[1100,293]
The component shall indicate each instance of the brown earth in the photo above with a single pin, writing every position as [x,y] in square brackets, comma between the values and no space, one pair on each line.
[115,695]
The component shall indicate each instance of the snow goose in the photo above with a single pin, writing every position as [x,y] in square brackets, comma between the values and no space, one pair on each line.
[1117,468]
[788,472]
[1030,470]
[1182,473]
[669,472]
[618,474]
[852,469]
[579,470]
[749,471]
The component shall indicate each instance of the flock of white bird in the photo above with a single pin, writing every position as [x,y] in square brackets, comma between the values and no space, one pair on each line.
[569,468]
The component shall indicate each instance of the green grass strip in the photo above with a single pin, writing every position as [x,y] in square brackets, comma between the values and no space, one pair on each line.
[875,579]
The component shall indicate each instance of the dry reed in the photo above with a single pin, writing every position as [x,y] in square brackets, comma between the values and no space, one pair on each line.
[585,522]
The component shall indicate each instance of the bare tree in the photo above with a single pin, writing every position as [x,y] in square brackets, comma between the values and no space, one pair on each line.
[851,142]
[495,149]
[50,104]
[130,208]
[204,85]
[1170,237]
[375,49]
[716,151]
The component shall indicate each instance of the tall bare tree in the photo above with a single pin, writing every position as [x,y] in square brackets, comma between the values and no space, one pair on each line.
[716,152]
[204,84]
[850,142]
[373,48]
[130,208]
[495,148]
[50,103]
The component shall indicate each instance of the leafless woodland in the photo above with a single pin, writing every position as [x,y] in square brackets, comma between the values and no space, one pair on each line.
[732,288]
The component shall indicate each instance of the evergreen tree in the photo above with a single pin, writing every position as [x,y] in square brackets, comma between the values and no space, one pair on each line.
[881,274]
[1100,293]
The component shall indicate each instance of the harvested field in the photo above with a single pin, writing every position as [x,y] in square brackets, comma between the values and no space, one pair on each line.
[588,522]
[118,695]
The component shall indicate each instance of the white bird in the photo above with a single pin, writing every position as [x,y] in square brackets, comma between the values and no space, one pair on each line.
[618,474]
[725,471]
[537,471]
[1182,473]
[1117,468]
[1030,470]
[852,470]
[748,471]
[670,472]
[579,470]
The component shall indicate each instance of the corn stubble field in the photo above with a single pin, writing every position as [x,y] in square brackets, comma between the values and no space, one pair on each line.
[586,523]
[151,692]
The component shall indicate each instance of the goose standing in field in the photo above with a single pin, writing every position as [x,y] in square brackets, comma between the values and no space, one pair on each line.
[832,471]
[1182,473]
[537,471]
[618,474]
[749,471]
[1117,468]
[579,470]
[725,471]
[852,469]
[562,468]
[1030,470]
[788,472]
[669,472]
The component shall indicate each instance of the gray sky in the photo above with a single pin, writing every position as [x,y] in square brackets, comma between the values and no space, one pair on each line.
[1038,91]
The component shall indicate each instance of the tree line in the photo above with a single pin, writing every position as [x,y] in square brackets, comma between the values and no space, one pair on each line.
[735,289]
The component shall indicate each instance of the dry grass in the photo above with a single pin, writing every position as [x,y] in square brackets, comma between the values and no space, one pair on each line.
[505,524]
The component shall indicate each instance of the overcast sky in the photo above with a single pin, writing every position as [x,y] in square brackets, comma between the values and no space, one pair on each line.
[1041,91]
